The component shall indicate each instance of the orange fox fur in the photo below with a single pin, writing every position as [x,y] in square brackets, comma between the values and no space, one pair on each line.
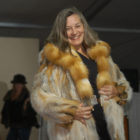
[73,63]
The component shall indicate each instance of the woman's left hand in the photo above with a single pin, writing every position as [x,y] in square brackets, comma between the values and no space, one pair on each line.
[109,90]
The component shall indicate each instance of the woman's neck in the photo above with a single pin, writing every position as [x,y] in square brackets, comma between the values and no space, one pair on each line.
[82,51]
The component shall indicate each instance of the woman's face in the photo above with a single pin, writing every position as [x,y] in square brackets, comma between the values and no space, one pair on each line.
[18,87]
[74,30]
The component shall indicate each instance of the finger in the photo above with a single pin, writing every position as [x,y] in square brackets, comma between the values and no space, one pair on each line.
[87,113]
[105,89]
[103,92]
[78,117]
[86,108]
[111,88]
[87,116]
[81,114]
[109,97]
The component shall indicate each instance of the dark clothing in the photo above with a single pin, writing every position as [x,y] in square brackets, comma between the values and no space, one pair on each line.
[13,113]
[19,134]
[19,119]
[98,113]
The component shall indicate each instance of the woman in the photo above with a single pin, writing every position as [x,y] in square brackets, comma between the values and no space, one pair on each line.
[75,68]
[17,112]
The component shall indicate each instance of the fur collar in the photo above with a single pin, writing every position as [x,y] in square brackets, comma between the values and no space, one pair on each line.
[79,73]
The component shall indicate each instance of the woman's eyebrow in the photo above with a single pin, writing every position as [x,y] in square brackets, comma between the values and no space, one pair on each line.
[75,24]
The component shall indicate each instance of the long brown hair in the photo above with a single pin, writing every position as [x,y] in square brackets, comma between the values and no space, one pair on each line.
[58,36]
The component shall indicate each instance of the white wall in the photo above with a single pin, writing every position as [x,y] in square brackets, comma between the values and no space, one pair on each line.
[17,55]
[134,117]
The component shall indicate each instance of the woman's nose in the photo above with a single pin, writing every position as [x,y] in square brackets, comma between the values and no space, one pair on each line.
[74,31]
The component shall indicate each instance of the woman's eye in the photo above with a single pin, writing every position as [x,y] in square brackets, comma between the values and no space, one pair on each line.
[78,26]
[68,29]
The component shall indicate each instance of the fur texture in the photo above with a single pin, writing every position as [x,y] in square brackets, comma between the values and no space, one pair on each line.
[79,73]
[74,65]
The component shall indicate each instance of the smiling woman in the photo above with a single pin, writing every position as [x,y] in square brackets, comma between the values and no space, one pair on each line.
[75,30]
[79,90]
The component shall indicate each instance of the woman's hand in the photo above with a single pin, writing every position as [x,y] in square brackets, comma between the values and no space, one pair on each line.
[109,90]
[83,113]
[25,103]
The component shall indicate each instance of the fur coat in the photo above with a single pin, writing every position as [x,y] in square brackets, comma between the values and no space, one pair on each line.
[62,84]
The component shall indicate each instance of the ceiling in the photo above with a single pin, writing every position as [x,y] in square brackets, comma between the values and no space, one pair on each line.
[35,11]
[115,13]
[116,21]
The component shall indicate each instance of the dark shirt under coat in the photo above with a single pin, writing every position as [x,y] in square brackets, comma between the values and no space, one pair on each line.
[98,113]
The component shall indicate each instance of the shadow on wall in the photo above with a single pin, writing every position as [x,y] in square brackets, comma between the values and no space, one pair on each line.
[3,90]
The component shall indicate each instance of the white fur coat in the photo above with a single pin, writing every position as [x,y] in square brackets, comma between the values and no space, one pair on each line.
[62,83]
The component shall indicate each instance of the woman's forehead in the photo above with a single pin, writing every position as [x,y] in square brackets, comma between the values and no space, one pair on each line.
[73,19]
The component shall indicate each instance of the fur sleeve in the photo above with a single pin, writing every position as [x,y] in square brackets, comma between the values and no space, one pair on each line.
[122,84]
[48,98]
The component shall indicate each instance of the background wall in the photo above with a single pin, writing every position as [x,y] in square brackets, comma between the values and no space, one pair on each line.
[17,55]
[134,117]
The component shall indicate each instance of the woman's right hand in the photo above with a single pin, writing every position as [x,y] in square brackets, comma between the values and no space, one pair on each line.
[83,113]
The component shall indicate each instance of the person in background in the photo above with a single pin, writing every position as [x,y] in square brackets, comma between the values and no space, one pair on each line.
[17,113]
[79,90]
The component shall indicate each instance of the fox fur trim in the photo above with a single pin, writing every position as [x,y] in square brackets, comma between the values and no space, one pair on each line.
[100,53]
[73,63]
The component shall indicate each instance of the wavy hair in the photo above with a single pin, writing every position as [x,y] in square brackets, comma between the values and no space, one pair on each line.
[58,35]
